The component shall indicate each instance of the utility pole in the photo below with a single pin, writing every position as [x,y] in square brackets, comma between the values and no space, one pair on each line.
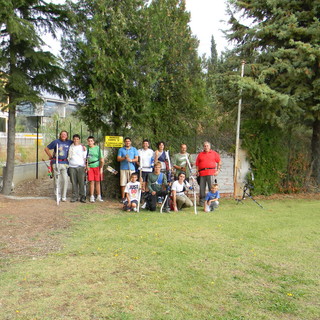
[236,158]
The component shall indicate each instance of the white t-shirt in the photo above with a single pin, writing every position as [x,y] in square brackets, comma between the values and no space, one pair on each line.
[146,159]
[132,188]
[76,156]
[179,187]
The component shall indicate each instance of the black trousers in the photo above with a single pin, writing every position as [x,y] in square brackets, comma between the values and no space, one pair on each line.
[152,200]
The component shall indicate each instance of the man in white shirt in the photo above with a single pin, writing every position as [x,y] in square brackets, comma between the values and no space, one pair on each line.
[77,169]
[146,162]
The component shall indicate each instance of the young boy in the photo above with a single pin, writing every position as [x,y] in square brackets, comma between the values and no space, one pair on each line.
[132,193]
[212,199]
[77,168]
[157,184]
[95,164]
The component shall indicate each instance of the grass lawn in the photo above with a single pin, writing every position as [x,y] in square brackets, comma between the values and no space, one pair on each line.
[239,262]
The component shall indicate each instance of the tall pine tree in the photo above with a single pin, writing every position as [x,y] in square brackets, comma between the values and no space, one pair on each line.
[178,90]
[26,69]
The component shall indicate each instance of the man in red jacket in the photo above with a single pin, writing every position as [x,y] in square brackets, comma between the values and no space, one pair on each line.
[208,165]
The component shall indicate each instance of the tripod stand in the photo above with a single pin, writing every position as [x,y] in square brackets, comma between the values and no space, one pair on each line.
[246,192]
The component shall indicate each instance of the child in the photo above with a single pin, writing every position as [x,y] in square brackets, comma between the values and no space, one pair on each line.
[77,165]
[95,164]
[132,193]
[212,198]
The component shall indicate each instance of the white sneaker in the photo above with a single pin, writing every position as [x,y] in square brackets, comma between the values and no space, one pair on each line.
[92,199]
[144,206]
[63,199]
[99,198]
[135,209]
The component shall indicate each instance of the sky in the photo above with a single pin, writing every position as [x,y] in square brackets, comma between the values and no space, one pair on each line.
[206,20]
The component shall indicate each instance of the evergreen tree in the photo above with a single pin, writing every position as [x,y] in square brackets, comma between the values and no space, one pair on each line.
[282,45]
[102,53]
[135,66]
[177,86]
[25,67]
[213,60]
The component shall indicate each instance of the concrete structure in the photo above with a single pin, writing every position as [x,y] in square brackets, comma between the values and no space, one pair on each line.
[243,170]
[42,112]
[27,172]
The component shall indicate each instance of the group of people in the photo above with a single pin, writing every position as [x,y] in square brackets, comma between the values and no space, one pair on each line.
[145,175]
[153,173]
[80,162]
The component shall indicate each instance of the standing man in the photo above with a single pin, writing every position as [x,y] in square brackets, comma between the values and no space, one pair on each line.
[77,169]
[208,165]
[63,149]
[95,164]
[146,162]
[180,162]
[127,156]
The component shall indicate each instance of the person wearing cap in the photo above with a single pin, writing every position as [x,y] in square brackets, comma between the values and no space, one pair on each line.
[61,164]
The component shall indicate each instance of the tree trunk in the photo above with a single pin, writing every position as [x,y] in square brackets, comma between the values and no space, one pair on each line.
[315,151]
[11,137]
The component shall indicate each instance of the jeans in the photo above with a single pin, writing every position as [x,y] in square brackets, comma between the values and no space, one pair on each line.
[213,205]
[60,174]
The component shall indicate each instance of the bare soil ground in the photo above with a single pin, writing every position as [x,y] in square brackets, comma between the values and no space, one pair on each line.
[30,218]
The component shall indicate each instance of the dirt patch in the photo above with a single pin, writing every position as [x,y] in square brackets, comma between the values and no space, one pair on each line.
[27,227]
[30,220]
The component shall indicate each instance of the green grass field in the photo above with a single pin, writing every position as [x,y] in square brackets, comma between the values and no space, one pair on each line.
[239,262]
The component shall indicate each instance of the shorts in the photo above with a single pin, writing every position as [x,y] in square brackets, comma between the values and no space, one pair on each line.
[94,174]
[125,177]
[125,204]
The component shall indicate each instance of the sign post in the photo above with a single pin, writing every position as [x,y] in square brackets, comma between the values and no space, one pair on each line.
[113,141]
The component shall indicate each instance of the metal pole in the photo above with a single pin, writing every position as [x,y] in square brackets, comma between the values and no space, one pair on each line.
[37,163]
[57,129]
[236,158]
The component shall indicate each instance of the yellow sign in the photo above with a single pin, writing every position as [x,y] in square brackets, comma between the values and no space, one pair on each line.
[113,141]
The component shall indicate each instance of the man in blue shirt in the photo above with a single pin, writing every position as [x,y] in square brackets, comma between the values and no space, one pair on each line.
[63,149]
[127,156]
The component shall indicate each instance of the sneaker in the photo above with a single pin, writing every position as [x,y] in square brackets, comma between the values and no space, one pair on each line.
[74,200]
[135,209]
[63,199]
[99,198]
[144,206]
[83,199]
[92,199]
